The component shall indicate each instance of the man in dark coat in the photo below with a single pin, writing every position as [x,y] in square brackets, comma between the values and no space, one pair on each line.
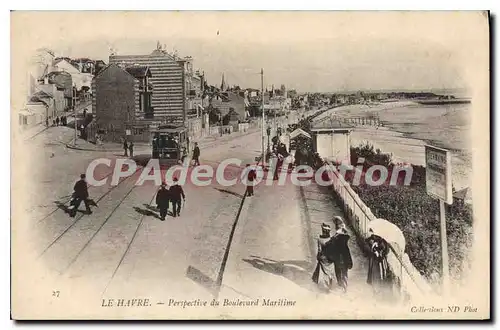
[125,148]
[251,176]
[131,148]
[196,154]
[341,255]
[163,200]
[176,193]
[80,194]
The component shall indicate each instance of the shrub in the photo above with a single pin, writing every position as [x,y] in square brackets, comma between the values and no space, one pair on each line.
[417,215]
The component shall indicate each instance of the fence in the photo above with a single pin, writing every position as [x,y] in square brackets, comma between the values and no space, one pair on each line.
[409,280]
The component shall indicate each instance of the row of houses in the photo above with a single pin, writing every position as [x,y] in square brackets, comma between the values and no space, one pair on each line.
[55,84]
[134,94]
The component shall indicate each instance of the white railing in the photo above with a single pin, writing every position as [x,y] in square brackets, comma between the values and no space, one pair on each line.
[410,281]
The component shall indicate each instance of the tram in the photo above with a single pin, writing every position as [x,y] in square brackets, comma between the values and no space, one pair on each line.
[170,144]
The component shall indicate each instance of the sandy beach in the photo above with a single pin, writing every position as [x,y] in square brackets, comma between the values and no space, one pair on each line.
[408,126]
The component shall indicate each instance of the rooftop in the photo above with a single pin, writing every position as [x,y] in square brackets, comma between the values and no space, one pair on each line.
[138,71]
[328,123]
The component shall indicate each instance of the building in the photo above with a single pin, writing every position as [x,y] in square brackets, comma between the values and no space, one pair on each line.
[64,82]
[80,79]
[121,100]
[169,96]
[331,139]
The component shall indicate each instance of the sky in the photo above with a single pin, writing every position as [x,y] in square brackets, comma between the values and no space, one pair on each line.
[307,51]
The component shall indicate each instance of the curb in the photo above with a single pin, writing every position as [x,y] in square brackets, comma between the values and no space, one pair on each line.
[208,145]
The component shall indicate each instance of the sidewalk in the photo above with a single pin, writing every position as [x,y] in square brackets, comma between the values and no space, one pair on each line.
[204,142]
[274,254]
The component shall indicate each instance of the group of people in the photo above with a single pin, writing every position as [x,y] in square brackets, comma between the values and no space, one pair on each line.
[166,195]
[128,148]
[334,259]
[58,121]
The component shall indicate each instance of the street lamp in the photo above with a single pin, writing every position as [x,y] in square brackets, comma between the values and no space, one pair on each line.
[220,123]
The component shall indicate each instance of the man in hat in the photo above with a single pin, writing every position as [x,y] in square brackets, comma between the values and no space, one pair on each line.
[163,200]
[80,194]
[196,154]
[251,176]
[176,193]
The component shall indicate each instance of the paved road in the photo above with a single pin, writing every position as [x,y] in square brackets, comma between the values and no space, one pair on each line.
[123,250]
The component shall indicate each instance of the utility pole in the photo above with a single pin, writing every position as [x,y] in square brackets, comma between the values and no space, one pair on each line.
[74,113]
[263,116]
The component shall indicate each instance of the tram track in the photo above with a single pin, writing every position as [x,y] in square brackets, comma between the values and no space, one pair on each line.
[104,252]
[67,199]
[81,216]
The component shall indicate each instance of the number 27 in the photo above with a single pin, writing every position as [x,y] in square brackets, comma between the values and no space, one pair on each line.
[55,293]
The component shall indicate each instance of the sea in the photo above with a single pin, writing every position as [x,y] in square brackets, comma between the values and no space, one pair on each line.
[409,126]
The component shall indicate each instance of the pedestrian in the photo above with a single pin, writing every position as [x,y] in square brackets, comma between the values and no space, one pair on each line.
[84,113]
[196,154]
[57,121]
[251,176]
[53,122]
[80,194]
[341,253]
[163,200]
[47,122]
[65,121]
[131,148]
[125,147]
[184,155]
[323,274]
[176,193]
[378,269]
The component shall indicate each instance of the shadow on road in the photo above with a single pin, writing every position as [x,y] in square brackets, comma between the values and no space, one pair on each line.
[297,271]
[65,208]
[205,281]
[155,209]
[229,192]
[147,211]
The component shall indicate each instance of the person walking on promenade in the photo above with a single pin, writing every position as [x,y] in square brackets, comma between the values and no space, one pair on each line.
[251,176]
[196,154]
[125,147]
[80,194]
[57,121]
[131,148]
[176,193]
[163,200]
[379,275]
[323,274]
[341,255]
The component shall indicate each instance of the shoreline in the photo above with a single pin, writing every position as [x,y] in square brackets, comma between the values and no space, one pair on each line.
[406,146]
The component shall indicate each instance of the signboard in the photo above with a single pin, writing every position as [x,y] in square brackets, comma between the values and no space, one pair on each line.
[127,132]
[438,173]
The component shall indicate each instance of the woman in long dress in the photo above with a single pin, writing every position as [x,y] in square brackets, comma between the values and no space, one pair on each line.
[342,257]
[324,273]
